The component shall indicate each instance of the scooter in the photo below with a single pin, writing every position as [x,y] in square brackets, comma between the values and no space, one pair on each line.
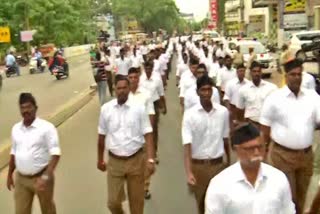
[33,66]
[10,70]
[21,61]
[59,72]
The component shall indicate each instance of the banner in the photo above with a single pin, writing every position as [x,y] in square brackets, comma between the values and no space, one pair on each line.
[5,35]
[213,22]
[26,36]
[295,21]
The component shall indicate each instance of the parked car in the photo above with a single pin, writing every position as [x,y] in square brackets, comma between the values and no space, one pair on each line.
[297,40]
[263,56]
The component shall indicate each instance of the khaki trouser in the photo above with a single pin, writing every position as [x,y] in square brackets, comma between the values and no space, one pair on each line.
[132,172]
[203,173]
[298,167]
[25,191]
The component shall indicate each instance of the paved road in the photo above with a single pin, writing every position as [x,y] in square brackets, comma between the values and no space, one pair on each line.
[81,188]
[50,93]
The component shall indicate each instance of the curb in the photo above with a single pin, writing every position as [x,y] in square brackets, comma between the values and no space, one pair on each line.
[57,118]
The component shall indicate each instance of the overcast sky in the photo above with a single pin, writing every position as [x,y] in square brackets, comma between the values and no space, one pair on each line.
[199,8]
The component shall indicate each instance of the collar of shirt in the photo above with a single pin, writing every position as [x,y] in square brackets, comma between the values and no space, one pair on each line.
[239,175]
[35,124]
[262,83]
[244,81]
[126,104]
[199,107]
[287,92]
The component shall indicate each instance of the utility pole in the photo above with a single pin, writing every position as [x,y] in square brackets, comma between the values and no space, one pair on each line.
[281,23]
[27,24]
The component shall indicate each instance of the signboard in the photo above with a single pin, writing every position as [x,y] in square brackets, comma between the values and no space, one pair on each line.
[213,22]
[294,6]
[26,36]
[5,35]
[256,24]
[263,3]
[295,21]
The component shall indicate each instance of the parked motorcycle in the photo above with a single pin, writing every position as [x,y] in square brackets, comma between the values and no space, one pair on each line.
[22,61]
[33,66]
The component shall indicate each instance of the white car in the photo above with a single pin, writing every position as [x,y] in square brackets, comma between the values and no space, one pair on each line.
[214,35]
[298,39]
[263,56]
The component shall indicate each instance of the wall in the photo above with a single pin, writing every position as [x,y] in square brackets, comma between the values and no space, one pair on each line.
[249,11]
[77,50]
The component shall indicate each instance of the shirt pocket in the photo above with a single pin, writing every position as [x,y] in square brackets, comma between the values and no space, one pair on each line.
[113,123]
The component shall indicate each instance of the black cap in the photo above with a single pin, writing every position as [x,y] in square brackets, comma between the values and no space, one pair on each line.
[292,64]
[244,133]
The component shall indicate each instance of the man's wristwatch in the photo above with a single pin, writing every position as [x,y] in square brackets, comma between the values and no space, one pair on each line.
[45,177]
[151,161]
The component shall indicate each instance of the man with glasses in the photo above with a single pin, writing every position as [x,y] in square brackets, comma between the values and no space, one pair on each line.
[249,186]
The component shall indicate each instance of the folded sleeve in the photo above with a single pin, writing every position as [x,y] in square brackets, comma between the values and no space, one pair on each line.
[52,141]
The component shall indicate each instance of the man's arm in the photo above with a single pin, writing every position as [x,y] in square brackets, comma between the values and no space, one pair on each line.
[12,167]
[265,131]
[227,150]
[163,104]
[52,165]
[188,165]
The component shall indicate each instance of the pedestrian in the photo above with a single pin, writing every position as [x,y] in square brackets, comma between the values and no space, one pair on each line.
[182,67]
[289,117]
[35,153]
[123,130]
[231,95]
[138,95]
[100,76]
[225,75]
[205,133]
[123,63]
[238,58]
[109,66]
[249,186]
[153,83]
[192,97]
[252,96]
[252,57]
[188,79]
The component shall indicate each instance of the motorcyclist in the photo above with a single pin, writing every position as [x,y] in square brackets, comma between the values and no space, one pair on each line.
[57,60]
[38,55]
[11,62]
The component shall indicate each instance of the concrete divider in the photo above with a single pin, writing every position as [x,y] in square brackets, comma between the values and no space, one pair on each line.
[77,50]
[57,118]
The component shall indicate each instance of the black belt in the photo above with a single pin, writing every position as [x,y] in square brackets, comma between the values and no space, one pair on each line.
[125,157]
[293,150]
[208,161]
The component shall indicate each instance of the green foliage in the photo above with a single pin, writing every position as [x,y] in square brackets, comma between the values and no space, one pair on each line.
[152,15]
[62,22]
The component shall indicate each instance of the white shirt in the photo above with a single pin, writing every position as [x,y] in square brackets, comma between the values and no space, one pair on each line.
[123,66]
[124,127]
[220,53]
[181,68]
[206,131]
[153,85]
[137,61]
[33,146]
[251,98]
[224,75]
[143,97]
[231,193]
[157,67]
[214,70]
[232,90]
[292,120]
[144,50]
[308,81]
[186,81]
[192,98]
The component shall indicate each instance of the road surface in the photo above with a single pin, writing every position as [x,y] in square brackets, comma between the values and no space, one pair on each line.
[49,92]
[81,188]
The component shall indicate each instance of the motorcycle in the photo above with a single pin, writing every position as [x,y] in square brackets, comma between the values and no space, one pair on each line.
[33,66]
[10,70]
[22,61]
[60,71]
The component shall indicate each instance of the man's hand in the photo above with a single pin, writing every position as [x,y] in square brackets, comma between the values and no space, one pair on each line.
[151,168]
[228,160]
[10,182]
[102,166]
[41,184]
[191,179]
[164,110]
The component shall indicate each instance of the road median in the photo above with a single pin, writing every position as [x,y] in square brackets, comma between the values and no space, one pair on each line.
[58,117]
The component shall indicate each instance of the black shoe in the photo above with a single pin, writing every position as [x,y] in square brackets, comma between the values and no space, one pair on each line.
[147,195]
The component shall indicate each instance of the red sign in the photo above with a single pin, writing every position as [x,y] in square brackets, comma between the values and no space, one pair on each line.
[26,36]
[213,14]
